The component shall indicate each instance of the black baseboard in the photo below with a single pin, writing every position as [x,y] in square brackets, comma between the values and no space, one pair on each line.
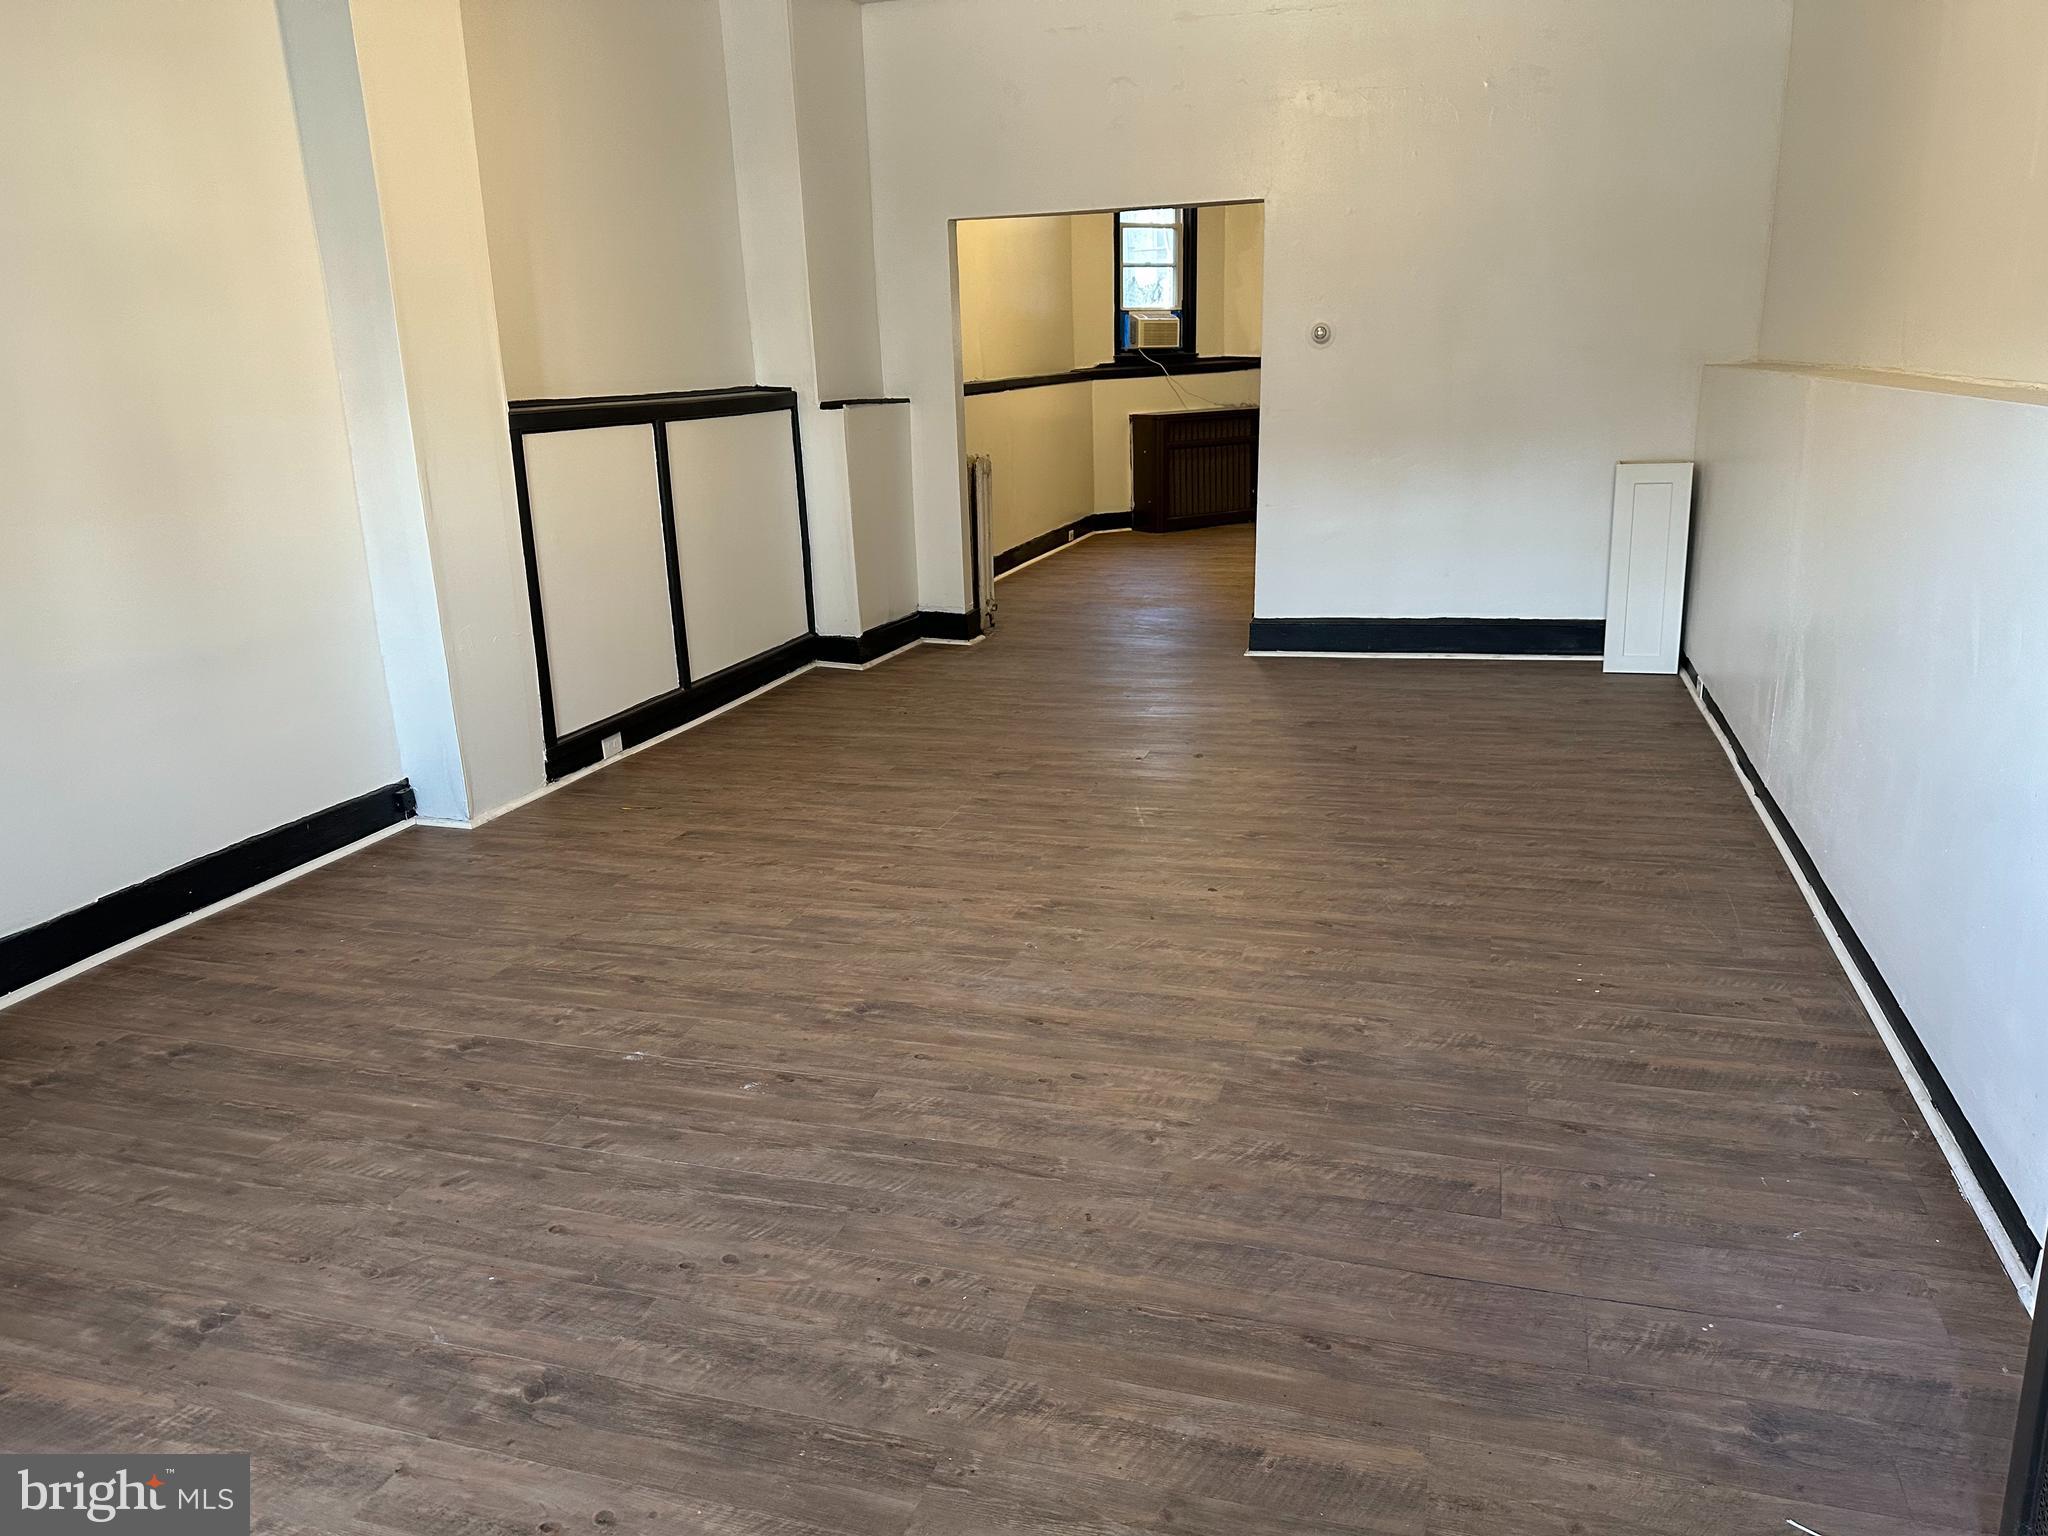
[1055,538]
[643,722]
[2007,1209]
[49,947]
[949,626]
[858,650]
[1452,637]
[680,706]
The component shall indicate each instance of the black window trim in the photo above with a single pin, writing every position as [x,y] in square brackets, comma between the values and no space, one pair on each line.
[1185,309]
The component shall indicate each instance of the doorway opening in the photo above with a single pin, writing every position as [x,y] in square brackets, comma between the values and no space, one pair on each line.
[1109,366]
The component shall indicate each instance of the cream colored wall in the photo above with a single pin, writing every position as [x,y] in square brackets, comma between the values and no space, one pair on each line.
[188,650]
[1244,252]
[1041,443]
[1116,399]
[1912,207]
[606,153]
[1093,236]
[1016,296]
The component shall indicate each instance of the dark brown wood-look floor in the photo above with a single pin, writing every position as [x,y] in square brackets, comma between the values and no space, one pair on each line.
[1091,1082]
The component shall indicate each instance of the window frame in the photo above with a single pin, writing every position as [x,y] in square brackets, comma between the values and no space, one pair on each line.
[1185,264]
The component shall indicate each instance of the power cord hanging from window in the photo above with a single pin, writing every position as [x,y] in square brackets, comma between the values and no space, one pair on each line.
[1184,394]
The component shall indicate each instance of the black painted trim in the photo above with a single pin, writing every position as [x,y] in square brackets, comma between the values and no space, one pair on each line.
[2007,1209]
[581,412]
[78,935]
[533,605]
[1455,637]
[858,650]
[2026,1486]
[949,626]
[679,706]
[803,519]
[1135,365]
[1189,216]
[840,405]
[665,495]
[884,639]
[692,696]
[1058,538]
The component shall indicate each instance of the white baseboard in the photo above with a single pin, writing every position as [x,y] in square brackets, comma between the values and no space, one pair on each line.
[1419,656]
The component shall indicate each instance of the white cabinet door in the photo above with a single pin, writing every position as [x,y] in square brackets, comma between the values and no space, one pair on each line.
[1646,566]
[739,537]
[597,543]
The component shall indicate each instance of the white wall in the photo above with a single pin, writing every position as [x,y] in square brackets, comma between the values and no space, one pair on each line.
[607,165]
[1869,566]
[1529,222]
[185,609]
[832,134]
[885,550]
[1869,552]
[1912,224]
[341,184]
[416,101]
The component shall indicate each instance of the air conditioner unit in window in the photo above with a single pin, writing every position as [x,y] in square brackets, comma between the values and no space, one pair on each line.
[1154,329]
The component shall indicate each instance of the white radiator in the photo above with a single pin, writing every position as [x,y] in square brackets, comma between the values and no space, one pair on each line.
[981,504]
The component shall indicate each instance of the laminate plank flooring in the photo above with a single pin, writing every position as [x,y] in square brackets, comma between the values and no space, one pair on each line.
[1087,1082]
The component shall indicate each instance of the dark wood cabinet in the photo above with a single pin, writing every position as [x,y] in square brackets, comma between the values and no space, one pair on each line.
[1190,469]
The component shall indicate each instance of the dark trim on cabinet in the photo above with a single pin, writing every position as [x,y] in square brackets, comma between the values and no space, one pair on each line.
[1134,365]
[679,706]
[1452,637]
[2026,1486]
[840,405]
[586,411]
[693,696]
[665,494]
[1057,538]
[49,947]
[2007,1209]
[803,519]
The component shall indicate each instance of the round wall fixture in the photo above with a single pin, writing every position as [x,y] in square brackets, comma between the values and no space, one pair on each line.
[1320,333]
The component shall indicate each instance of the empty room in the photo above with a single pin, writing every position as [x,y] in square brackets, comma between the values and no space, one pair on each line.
[986,767]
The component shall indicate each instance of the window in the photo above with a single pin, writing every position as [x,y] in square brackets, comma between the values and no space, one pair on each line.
[1155,273]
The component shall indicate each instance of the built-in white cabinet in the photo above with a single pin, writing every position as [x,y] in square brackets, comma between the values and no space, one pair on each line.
[667,559]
